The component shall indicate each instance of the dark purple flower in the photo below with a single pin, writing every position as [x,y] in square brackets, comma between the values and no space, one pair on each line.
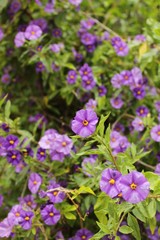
[88,83]
[115,41]
[109,182]
[59,236]
[138,125]
[40,67]
[119,127]
[50,214]
[155,133]
[11,142]
[41,22]
[34,182]
[5,127]
[6,78]
[26,219]
[117,102]
[142,111]
[134,187]
[27,152]
[57,32]
[83,234]
[55,196]
[139,93]
[90,48]
[22,28]
[38,117]
[71,77]
[33,32]
[19,39]
[88,39]
[84,123]
[102,90]
[15,6]
[85,71]
[41,154]
[1,200]
[39,48]
[14,157]
[78,56]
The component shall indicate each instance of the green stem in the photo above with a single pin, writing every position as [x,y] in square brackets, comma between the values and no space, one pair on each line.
[146,165]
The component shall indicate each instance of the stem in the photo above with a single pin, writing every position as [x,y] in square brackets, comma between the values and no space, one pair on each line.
[146,165]
[43,232]
[153,196]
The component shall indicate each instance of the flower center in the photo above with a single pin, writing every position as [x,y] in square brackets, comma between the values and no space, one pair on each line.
[33,32]
[17,214]
[85,122]
[133,186]
[11,142]
[126,77]
[27,218]
[138,92]
[55,193]
[112,181]
[88,82]
[120,195]
[51,214]
[83,237]
[72,77]
[64,144]
[13,156]
[35,182]
[85,73]
[121,48]
[113,139]
[29,203]
[42,153]
[141,111]
[158,132]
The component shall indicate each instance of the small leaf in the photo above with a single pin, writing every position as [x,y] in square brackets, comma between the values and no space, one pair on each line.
[7,109]
[125,229]
[70,216]
[133,223]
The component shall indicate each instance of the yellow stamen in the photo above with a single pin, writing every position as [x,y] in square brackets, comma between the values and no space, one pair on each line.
[85,122]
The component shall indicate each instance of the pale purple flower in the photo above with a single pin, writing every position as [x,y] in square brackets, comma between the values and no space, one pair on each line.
[63,144]
[155,133]
[117,102]
[75,2]
[126,77]
[19,39]
[91,104]
[6,226]
[88,39]
[134,187]
[59,236]
[138,125]
[56,48]
[56,156]
[28,202]
[109,182]
[157,169]
[49,8]
[140,38]
[16,211]
[123,145]
[157,106]
[33,32]
[55,196]
[34,182]
[114,139]
[121,49]
[50,214]
[116,81]
[47,140]
[1,34]
[84,123]
[87,24]
[6,78]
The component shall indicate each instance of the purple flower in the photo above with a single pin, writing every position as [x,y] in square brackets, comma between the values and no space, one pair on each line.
[91,104]
[46,140]
[140,37]
[123,145]
[142,111]
[37,117]
[16,211]
[157,106]
[88,83]
[1,34]
[14,157]
[57,32]
[102,90]
[139,93]
[34,182]
[88,39]
[56,156]
[33,32]
[126,77]
[55,67]
[119,127]
[90,48]
[78,56]
[157,169]
[87,24]
[155,133]
[84,234]
[50,214]
[1,200]
[11,142]
[6,78]
[115,139]
[75,2]
[15,6]
[3,151]
[19,39]
[117,102]
[63,144]
[121,49]
[27,152]
[106,36]
[84,123]
[5,127]
[134,187]
[115,41]
[41,22]
[28,202]
[116,81]
[56,48]
[137,78]
[26,219]
[55,196]
[40,67]
[109,182]
[41,154]
[88,164]
[138,125]
[85,71]
[59,236]
[71,77]
[6,226]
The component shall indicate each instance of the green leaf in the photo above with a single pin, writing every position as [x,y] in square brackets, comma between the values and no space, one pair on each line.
[103,227]
[100,127]
[3,4]
[138,215]
[125,229]
[70,216]
[133,223]
[81,190]
[153,178]
[7,110]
